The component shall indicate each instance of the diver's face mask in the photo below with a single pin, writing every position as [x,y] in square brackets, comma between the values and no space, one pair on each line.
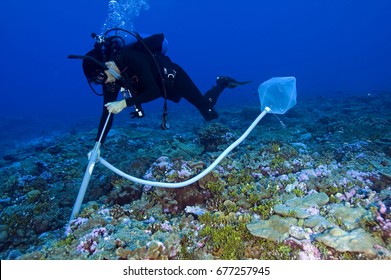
[99,77]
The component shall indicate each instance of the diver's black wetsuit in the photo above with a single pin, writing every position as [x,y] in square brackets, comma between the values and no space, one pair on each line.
[140,73]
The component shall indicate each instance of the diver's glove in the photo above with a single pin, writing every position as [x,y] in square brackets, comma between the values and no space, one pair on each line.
[116,106]
[95,149]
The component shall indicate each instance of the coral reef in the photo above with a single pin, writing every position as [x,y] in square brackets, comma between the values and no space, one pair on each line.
[354,241]
[317,188]
[276,228]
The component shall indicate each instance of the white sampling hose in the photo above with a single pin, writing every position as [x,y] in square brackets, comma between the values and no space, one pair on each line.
[197,177]
[95,156]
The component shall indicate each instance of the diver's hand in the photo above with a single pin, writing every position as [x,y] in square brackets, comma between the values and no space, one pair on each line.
[116,107]
[97,149]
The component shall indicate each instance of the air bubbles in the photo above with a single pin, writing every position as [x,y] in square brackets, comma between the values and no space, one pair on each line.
[121,13]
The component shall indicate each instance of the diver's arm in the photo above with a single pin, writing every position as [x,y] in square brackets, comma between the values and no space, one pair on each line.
[151,93]
[137,64]
[109,95]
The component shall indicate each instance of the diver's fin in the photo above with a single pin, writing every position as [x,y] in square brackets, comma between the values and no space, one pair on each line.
[229,82]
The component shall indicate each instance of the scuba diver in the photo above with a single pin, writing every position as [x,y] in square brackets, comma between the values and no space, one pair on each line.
[142,72]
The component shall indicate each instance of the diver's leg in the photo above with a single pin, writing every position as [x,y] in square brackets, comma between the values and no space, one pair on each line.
[188,90]
[213,94]
[222,82]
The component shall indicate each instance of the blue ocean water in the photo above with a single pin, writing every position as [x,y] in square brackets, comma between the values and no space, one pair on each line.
[338,51]
[331,47]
